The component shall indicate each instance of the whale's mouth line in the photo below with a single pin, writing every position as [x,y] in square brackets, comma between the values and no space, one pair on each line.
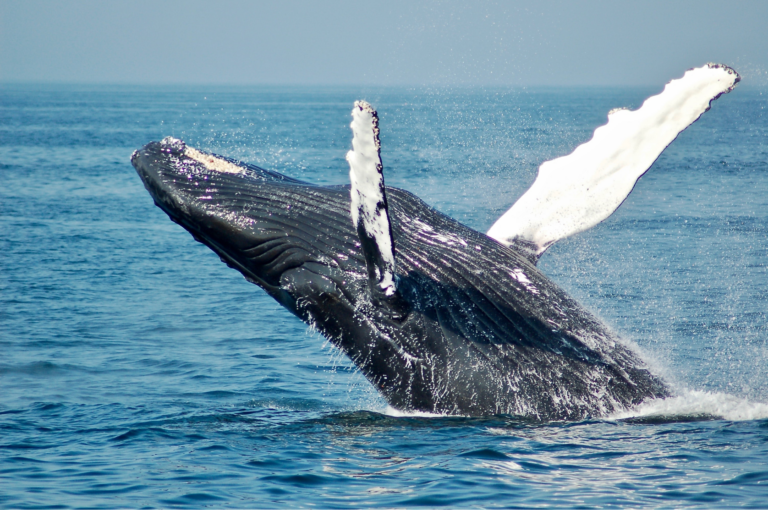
[216,247]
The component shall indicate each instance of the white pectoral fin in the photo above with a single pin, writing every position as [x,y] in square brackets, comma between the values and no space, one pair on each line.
[370,214]
[576,192]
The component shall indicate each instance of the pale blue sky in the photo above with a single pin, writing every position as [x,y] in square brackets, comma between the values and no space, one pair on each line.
[548,42]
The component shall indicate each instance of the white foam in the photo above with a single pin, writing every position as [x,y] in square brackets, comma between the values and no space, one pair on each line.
[576,192]
[696,402]
[396,413]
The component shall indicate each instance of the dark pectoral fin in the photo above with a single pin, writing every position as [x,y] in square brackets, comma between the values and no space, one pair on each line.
[369,210]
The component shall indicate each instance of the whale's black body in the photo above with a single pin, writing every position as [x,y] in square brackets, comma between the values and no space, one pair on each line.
[475,328]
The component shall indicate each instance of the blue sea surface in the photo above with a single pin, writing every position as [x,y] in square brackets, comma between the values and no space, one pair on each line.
[137,370]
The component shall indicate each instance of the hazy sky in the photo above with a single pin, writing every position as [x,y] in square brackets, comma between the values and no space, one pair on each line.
[386,42]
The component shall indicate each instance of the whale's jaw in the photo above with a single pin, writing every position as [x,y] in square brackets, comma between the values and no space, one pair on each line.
[476,328]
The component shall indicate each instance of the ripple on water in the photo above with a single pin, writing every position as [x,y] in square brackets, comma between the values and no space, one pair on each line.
[136,370]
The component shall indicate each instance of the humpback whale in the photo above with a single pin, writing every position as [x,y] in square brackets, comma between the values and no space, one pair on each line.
[439,317]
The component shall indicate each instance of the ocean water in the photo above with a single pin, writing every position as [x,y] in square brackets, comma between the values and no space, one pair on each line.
[137,370]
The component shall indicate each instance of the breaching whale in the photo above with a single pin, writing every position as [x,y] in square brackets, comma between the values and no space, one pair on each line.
[439,318]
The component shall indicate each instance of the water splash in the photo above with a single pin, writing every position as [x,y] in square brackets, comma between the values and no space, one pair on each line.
[700,404]
[396,413]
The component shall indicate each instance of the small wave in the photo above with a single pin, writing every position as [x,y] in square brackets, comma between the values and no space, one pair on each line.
[690,405]
[697,404]
[396,413]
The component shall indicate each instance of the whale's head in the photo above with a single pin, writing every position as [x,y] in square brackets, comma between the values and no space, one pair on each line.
[293,239]
[296,241]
